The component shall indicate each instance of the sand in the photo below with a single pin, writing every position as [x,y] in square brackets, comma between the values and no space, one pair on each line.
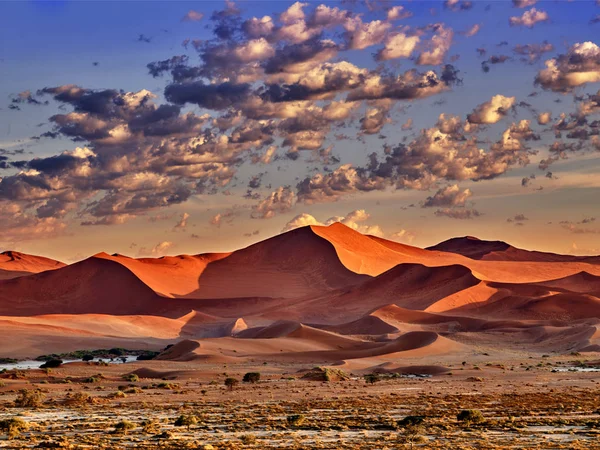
[314,295]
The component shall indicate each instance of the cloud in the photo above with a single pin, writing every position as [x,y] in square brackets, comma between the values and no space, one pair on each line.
[533,52]
[544,117]
[529,18]
[403,236]
[398,12]
[279,201]
[461,213]
[449,196]
[517,219]
[438,46]
[218,219]
[492,111]
[579,66]
[19,224]
[397,46]
[192,16]
[182,224]
[473,30]
[524,3]
[353,219]
[159,249]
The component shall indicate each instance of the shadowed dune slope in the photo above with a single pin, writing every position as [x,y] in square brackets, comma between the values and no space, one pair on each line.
[475,248]
[16,264]
[94,285]
[291,265]
[410,286]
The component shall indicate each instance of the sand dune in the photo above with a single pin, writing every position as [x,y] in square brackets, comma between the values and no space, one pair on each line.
[411,286]
[475,248]
[312,295]
[16,264]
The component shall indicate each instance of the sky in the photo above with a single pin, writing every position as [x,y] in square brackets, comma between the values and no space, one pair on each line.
[155,128]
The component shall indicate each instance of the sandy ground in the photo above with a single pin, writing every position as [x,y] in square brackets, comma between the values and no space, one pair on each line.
[525,403]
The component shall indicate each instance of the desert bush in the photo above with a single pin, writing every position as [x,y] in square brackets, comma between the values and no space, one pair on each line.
[186,421]
[470,416]
[124,426]
[248,439]
[87,358]
[412,429]
[231,383]
[296,420]
[29,398]
[77,399]
[52,364]
[13,427]
[372,378]
[251,377]
[131,377]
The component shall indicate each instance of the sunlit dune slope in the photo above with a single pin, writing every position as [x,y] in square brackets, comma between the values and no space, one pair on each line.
[16,264]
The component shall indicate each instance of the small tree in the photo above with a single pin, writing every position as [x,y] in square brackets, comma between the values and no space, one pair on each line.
[88,357]
[13,427]
[186,421]
[231,383]
[251,377]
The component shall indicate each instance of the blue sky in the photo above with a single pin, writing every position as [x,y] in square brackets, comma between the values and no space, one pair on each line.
[96,46]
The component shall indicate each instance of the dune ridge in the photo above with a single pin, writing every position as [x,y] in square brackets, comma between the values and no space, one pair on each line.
[314,295]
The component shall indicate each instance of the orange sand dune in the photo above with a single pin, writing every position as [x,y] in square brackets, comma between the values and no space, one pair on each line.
[411,286]
[94,285]
[554,306]
[474,248]
[314,294]
[16,264]
[359,254]
[295,264]
[169,276]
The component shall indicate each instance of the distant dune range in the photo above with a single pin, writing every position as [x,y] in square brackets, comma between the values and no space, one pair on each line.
[312,295]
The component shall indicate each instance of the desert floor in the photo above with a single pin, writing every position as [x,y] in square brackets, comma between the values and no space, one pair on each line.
[533,402]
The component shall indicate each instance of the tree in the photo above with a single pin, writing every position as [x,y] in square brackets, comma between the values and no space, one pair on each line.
[231,383]
[251,377]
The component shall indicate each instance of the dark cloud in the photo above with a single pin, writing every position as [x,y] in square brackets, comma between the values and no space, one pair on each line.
[210,96]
